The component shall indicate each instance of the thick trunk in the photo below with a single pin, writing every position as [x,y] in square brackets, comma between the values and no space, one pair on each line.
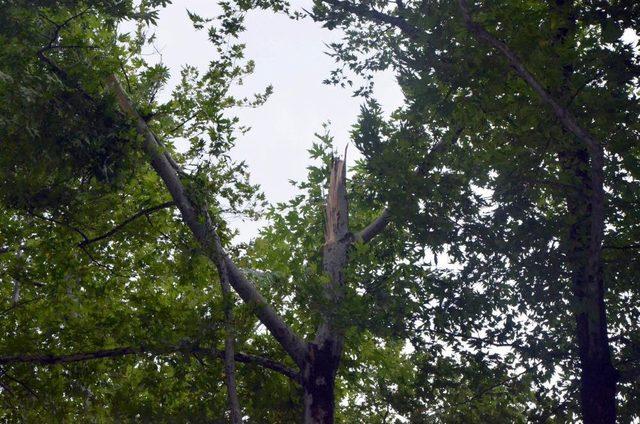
[585,208]
[318,381]
[598,376]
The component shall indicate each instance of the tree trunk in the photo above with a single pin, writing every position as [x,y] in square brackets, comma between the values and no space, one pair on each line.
[318,381]
[323,355]
[598,377]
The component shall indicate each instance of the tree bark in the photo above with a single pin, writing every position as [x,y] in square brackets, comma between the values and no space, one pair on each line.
[318,382]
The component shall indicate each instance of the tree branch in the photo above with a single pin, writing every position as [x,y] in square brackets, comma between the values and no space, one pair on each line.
[627,247]
[229,350]
[374,228]
[567,120]
[563,114]
[144,212]
[378,225]
[377,16]
[50,359]
[200,224]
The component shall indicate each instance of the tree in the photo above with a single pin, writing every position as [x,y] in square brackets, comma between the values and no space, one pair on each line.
[539,102]
[117,261]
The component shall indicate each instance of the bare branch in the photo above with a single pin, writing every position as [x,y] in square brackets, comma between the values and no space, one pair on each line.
[144,212]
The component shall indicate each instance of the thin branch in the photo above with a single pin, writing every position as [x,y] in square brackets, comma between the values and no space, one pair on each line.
[486,391]
[486,342]
[437,148]
[627,247]
[629,375]
[267,363]
[80,245]
[61,223]
[378,225]
[377,16]
[143,212]
[68,46]
[50,359]
[22,384]
[18,305]
[183,123]
[63,75]
[229,349]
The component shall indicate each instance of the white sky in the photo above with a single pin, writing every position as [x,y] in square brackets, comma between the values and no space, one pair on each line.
[291,56]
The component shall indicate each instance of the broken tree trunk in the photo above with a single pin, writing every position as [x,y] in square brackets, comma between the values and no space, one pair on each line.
[317,360]
[324,353]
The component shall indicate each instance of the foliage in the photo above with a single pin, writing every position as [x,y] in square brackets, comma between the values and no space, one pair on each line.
[93,255]
[493,198]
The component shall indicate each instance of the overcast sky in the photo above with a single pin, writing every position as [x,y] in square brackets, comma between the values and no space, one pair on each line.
[291,56]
